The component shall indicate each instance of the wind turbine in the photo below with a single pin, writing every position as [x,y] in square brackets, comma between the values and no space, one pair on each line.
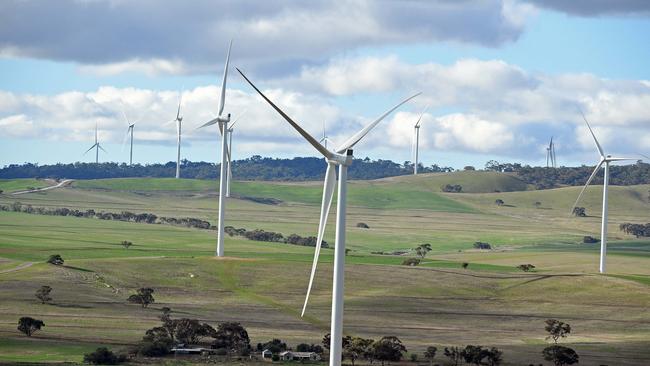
[325,139]
[604,161]
[96,146]
[550,155]
[223,178]
[129,131]
[342,157]
[416,141]
[178,121]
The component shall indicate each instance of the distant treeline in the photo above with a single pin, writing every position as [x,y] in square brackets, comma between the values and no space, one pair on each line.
[149,218]
[253,168]
[544,178]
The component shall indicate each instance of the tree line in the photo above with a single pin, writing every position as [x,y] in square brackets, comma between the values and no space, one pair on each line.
[253,168]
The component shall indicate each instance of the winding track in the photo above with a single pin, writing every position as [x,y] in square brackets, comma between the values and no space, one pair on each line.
[63,183]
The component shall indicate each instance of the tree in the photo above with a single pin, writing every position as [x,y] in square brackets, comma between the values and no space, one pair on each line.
[126,244]
[430,353]
[423,249]
[494,356]
[304,347]
[55,259]
[388,348]
[473,354]
[469,167]
[43,294]
[191,331]
[233,337]
[29,325]
[168,324]
[357,348]
[363,225]
[102,356]
[589,240]
[156,342]
[499,202]
[454,354]
[579,212]
[144,297]
[538,204]
[557,329]
[344,342]
[465,265]
[560,355]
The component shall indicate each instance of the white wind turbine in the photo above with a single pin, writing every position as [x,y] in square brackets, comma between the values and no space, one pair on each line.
[342,157]
[416,141]
[178,121]
[223,177]
[96,146]
[604,161]
[325,139]
[129,132]
[229,131]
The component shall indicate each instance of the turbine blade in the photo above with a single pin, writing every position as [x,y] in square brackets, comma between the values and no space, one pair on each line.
[237,119]
[124,115]
[180,99]
[92,147]
[421,115]
[209,123]
[126,137]
[587,184]
[328,154]
[222,100]
[359,135]
[100,146]
[600,149]
[169,122]
[621,159]
[328,193]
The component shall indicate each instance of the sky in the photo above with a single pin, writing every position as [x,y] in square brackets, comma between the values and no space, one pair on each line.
[498,78]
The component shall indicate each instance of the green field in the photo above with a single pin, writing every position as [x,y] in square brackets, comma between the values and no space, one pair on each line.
[13,185]
[262,284]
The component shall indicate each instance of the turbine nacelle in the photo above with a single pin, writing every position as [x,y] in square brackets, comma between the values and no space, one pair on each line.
[341,159]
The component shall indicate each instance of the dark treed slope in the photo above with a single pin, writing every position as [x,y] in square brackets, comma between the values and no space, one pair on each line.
[307,168]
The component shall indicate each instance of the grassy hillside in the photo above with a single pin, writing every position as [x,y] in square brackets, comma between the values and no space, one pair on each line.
[262,284]
[471,181]
[13,185]
[148,184]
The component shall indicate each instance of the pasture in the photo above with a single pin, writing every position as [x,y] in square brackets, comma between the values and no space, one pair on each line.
[262,284]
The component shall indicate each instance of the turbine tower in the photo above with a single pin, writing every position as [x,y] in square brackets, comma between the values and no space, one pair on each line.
[178,121]
[223,176]
[416,141]
[341,157]
[604,162]
[229,131]
[96,146]
[325,139]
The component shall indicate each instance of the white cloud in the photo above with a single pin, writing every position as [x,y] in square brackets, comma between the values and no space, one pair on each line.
[152,67]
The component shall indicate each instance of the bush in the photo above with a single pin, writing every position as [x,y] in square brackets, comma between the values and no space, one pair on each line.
[589,240]
[29,325]
[102,356]
[452,188]
[526,267]
[55,259]
[465,265]
[499,202]
[579,212]
[411,262]
[126,244]
[481,245]
[43,294]
[157,348]
[221,352]
[363,225]
[275,358]
[144,297]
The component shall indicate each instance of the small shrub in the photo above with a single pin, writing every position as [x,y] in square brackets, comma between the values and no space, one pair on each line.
[414,357]
[589,240]
[55,259]
[452,188]
[481,245]
[275,358]
[103,356]
[526,267]
[465,265]
[538,204]
[126,244]
[499,202]
[411,262]
[144,297]
[579,212]
[363,225]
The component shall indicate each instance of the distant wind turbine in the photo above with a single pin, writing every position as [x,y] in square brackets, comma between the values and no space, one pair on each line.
[178,121]
[604,161]
[223,176]
[550,155]
[341,157]
[325,139]
[230,131]
[416,141]
[129,132]
[96,146]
